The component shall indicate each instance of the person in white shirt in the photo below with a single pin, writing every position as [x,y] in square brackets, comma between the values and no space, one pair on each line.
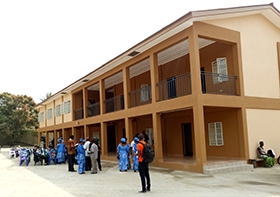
[88,160]
[94,155]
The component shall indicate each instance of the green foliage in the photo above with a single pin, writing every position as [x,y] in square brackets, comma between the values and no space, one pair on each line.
[18,116]
[48,95]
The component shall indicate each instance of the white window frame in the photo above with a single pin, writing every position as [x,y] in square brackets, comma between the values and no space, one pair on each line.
[144,93]
[67,107]
[215,130]
[220,71]
[49,113]
[41,117]
[58,110]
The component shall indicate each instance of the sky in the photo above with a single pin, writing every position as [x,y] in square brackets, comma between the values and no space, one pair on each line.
[47,45]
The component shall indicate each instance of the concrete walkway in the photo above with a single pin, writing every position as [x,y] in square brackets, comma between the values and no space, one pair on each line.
[55,180]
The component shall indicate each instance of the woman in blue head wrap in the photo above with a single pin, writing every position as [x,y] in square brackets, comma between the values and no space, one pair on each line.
[60,152]
[81,157]
[123,151]
[135,158]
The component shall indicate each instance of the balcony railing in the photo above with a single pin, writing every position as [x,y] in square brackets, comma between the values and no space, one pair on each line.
[93,109]
[79,113]
[140,96]
[114,104]
[175,86]
[214,83]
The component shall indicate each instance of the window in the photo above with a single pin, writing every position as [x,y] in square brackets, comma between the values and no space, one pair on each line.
[49,113]
[58,110]
[215,134]
[145,92]
[219,69]
[67,107]
[41,117]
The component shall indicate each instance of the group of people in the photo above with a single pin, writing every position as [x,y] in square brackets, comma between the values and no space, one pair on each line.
[124,152]
[88,155]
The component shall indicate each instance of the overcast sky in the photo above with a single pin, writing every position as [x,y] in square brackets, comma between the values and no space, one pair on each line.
[47,45]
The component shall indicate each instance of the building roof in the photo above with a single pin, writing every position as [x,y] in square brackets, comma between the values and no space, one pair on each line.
[267,10]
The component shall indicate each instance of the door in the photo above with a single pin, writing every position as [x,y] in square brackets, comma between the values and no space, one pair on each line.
[111,138]
[171,85]
[187,139]
[203,82]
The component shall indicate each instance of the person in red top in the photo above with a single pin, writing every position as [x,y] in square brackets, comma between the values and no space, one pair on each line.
[71,154]
[143,166]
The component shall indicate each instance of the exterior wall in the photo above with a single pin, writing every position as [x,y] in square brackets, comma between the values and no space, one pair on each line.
[176,67]
[263,125]
[137,81]
[68,117]
[78,100]
[42,124]
[258,62]
[213,51]
[50,122]
[231,147]
[58,119]
[172,131]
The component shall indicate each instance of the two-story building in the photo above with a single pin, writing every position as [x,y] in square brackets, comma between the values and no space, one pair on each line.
[204,89]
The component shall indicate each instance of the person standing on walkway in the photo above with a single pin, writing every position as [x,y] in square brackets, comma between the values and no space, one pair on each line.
[87,149]
[134,151]
[98,156]
[60,152]
[81,157]
[143,166]
[94,155]
[123,152]
[71,154]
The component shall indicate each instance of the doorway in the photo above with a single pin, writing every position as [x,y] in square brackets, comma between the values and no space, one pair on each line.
[111,138]
[187,139]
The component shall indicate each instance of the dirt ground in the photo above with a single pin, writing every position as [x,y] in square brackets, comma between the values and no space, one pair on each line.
[56,180]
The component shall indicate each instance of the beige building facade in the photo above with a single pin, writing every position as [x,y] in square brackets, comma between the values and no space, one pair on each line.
[203,88]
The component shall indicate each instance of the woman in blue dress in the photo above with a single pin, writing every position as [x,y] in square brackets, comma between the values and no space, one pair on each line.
[60,152]
[123,151]
[81,157]
[135,158]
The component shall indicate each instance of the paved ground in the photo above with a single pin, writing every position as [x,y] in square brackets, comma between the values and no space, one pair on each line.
[55,180]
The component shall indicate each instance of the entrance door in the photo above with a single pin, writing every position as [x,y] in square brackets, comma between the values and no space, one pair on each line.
[187,139]
[203,81]
[111,138]
[171,85]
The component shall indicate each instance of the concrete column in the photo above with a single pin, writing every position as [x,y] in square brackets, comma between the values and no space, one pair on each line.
[128,129]
[154,77]
[243,133]
[157,137]
[73,106]
[62,113]
[54,119]
[102,96]
[64,136]
[126,87]
[47,139]
[104,146]
[199,135]
[86,131]
[85,98]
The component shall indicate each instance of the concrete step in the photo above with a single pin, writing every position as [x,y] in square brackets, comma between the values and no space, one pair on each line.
[227,167]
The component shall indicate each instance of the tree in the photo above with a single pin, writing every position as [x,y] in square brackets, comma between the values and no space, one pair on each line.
[48,95]
[18,116]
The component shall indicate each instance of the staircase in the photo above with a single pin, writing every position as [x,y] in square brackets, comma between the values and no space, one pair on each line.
[227,167]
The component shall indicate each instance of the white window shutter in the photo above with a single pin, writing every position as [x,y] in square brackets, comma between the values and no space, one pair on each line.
[212,136]
[219,134]
[144,93]
[222,69]
[215,72]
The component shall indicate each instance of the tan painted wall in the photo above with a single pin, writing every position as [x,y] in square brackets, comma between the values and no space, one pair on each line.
[50,122]
[258,62]
[231,147]
[58,119]
[42,124]
[172,139]
[213,51]
[137,81]
[68,117]
[263,125]
[78,100]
